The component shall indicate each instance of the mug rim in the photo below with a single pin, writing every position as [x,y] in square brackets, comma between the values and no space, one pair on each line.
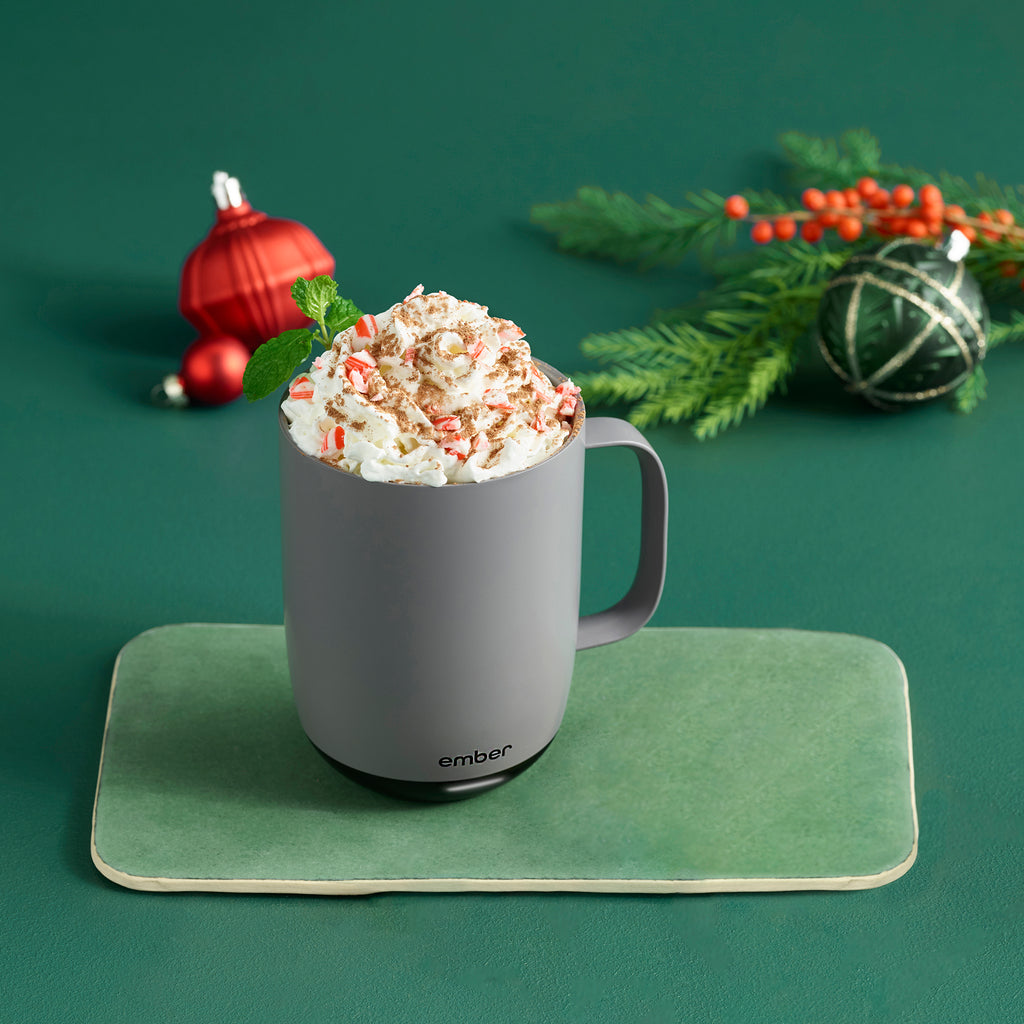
[554,376]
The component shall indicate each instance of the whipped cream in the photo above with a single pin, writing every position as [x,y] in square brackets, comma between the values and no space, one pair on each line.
[431,391]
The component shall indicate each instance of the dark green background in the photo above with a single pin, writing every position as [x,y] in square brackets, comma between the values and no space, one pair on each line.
[413,140]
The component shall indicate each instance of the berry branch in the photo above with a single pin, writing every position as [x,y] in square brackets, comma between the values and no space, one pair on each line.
[717,359]
[870,207]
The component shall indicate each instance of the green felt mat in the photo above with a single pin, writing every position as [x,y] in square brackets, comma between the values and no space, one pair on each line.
[689,760]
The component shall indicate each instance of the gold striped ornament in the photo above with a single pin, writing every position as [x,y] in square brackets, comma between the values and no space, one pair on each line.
[903,323]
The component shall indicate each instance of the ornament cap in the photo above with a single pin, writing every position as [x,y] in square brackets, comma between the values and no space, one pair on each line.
[237,217]
[170,393]
[957,246]
[226,191]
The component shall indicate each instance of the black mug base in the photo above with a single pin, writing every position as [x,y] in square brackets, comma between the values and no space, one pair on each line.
[432,792]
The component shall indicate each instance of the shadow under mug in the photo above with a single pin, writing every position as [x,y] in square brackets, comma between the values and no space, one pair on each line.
[431,631]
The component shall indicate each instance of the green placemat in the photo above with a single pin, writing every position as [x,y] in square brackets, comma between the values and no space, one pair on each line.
[690,760]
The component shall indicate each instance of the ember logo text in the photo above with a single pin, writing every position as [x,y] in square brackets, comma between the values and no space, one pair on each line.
[477,757]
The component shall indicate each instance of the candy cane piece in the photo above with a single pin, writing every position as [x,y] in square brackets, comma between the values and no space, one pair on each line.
[509,332]
[495,398]
[361,362]
[447,423]
[567,391]
[409,356]
[457,446]
[334,441]
[366,326]
[301,389]
[358,381]
[538,424]
[477,348]
[418,290]
[358,368]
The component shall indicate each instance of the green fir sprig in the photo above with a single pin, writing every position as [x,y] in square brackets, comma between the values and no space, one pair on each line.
[716,360]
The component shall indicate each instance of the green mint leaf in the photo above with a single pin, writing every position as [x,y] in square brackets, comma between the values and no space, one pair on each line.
[274,361]
[342,315]
[299,290]
[313,297]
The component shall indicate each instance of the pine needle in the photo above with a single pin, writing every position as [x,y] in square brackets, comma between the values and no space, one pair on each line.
[1012,330]
[971,391]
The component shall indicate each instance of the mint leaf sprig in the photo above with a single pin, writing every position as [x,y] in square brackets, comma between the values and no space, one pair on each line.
[276,360]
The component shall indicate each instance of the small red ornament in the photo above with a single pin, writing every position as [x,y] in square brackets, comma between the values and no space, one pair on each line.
[212,368]
[238,280]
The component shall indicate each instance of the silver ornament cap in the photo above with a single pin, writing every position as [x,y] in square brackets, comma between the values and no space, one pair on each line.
[170,393]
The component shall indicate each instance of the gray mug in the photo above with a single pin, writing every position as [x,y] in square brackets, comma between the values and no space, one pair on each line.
[431,631]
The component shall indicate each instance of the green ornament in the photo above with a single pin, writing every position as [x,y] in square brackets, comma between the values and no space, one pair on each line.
[902,323]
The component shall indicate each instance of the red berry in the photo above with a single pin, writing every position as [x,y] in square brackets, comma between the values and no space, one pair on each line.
[879,199]
[986,217]
[736,207]
[916,228]
[813,199]
[933,221]
[852,197]
[867,187]
[969,233]
[811,231]
[1003,217]
[902,195]
[835,199]
[1008,269]
[828,220]
[762,232]
[953,213]
[849,229]
[930,195]
[898,225]
[785,228]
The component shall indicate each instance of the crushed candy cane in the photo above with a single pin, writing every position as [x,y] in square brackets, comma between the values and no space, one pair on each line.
[334,441]
[366,326]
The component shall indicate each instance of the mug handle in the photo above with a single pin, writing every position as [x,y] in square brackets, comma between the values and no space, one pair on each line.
[628,615]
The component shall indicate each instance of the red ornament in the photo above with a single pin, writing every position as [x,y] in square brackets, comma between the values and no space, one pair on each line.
[238,280]
[212,368]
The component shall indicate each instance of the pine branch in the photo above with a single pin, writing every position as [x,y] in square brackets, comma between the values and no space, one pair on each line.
[726,362]
[658,344]
[621,384]
[997,267]
[782,265]
[971,391]
[831,164]
[615,226]
[1001,333]
[650,361]
[766,374]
